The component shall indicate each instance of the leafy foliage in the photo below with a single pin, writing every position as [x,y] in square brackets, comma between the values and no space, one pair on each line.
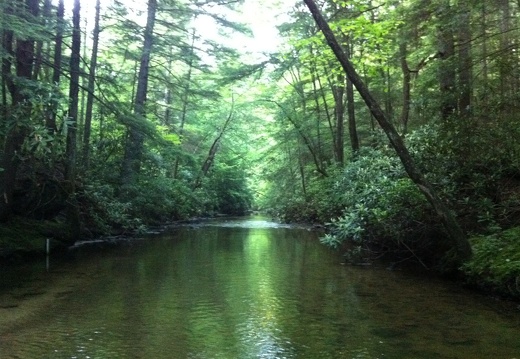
[496,262]
[381,206]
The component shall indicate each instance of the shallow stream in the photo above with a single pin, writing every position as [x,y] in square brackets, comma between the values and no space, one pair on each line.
[238,289]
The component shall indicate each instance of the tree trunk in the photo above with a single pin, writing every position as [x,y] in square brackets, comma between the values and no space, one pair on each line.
[447,72]
[135,140]
[23,56]
[210,159]
[505,42]
[185,99]
[351,112]
[485,77]
[407,78]
[90,88]
[338,91]
[50,120]
[459,241]
[39,45]
[71,149]
[464,86]
[301,168]
[320,89]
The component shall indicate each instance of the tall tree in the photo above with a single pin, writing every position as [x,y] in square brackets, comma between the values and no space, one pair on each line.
[460,242]
[185,95]
[90,87]
[338,91]
[21,48]
[464,86]
[50,120]
[447,74]
[135,138]
[351,111]
[71,149]
[40,43]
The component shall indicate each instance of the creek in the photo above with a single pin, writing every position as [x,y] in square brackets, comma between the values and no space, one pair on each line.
[240,289]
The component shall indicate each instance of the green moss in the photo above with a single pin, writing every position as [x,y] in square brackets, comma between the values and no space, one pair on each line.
[21,236]
[495,264]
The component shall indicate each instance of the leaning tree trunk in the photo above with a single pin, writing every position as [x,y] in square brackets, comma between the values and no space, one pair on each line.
[210,159]
[459,240]
[72,210]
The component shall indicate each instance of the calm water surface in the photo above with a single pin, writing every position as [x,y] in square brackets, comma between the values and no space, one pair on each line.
[242,289]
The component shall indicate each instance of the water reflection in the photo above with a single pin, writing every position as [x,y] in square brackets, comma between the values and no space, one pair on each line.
[247,292]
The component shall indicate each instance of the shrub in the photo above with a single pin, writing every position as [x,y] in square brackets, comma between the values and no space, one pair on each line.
[382,208]
[159,200]
[495,263]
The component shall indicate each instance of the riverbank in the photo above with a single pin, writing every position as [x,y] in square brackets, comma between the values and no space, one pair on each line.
[22,238]
[495,265]
[493,269]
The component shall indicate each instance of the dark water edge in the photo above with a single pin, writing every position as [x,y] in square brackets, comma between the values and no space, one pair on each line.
[234,290]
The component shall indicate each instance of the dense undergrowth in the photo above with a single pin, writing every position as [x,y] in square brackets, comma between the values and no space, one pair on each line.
[495,265]
[373,210]
[107,209]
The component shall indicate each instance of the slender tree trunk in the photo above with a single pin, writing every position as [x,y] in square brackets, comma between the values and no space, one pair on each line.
[505,42]
[407,78]
[483,29]
[39,45]
[460,243]
[50,120]
[83,94]
[210,159]
[185,99]
[351,112]
[464,87]
[71,149]
[317,93]
[306,139]
[301,168]
[447,72]
[90,88]
[168,97]
[135,140]
[323,96]
[338,91]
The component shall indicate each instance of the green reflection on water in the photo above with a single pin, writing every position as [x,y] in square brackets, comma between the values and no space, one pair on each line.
[231,292]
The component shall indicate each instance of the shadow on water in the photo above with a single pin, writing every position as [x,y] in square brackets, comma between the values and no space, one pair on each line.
[246,288]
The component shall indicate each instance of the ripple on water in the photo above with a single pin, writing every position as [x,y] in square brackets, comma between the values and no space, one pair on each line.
[247,295]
